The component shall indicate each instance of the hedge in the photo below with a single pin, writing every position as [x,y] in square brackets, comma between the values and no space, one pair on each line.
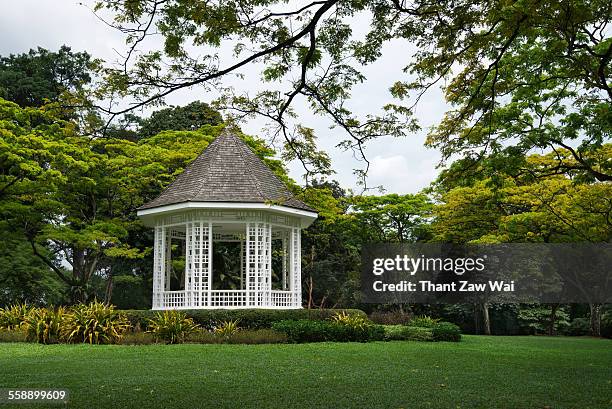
[299,331]
[406,333]
[249,318]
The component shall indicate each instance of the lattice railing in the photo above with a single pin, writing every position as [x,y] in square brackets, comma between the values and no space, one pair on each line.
[223,298]
[228,298]
[174,299]
[282,299]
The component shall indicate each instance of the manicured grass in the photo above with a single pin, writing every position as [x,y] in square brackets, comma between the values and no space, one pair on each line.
[479,372]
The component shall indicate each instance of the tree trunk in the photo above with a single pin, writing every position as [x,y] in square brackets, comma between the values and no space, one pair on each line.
[595,319]
[109,289]
[553,319]
[486,323]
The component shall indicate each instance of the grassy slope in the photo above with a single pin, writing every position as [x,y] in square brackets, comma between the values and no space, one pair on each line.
[483,372]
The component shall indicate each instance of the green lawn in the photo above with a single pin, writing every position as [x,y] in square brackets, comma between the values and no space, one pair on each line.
[479,372]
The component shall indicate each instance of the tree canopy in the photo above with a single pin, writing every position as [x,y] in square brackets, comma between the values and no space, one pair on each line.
[40,76]
[517,75]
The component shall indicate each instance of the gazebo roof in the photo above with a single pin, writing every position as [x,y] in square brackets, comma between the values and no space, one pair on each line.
[227,171]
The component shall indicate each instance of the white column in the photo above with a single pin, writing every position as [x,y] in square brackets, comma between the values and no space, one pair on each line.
[168,259]
[250,262]
[242,266]
[296,267]
[159,253]
[209,262]
[285,260]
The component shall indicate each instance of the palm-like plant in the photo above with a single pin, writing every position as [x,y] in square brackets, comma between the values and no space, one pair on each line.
[172,326]
[94,323]
[44,325]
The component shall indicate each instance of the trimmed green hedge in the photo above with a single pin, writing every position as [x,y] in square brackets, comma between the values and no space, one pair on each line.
[405,333]
[249,318]
[446,331]
[320,331]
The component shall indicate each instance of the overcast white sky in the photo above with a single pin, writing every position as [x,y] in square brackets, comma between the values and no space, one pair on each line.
[399,165]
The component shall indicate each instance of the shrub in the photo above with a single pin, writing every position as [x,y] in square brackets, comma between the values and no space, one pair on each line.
[94,323]
[406,333]
[249,318]
[390,317]
[356,322]
[319,331]
[606,325]
[258,336]
[44,325]
[227,328]
[202,336]
[579,327]
[13,335]
[424,321]
[446,331]
[137,338]
[171,326]
[12,317]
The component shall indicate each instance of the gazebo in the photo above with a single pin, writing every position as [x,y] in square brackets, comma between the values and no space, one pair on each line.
[227,198]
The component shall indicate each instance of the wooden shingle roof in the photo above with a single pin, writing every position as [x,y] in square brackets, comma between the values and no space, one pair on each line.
[227,171]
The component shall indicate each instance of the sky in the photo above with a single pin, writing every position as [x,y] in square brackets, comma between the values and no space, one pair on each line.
[399,165]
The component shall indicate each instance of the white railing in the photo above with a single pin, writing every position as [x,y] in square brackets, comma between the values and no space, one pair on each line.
[228,298]
[225,299]
[173,299]
[282,299]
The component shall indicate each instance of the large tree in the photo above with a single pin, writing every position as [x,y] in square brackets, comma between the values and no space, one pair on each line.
[518,75]
[41,76]
[74,198]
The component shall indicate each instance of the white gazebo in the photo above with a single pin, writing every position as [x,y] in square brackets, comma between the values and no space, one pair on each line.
[227,197]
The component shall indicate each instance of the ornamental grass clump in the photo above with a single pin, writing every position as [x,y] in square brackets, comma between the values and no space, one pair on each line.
[94,323]
[44,325]
[227,329]
[171,326]
[356,322]
[12,317]
[424,321]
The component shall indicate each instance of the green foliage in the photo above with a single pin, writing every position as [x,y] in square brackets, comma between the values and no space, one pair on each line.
[393,218]
[24,278]
[190,117]
[390,317]
[45,325]
[227,329]
[424,321]
[244,336]
[249,318]
[355,322]
[130,291]
[299,331]
[15,335]
[94,323]
[579,327]
[13,317]
[407,333]
[171,326]
[40,76]
[606,325]
[137,338]
[536,319]
[446,331]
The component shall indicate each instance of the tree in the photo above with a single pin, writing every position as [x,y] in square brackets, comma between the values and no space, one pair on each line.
[41,76]
[518,75]
[74,198]
[393,217]
[528,208]
[24,278]
[190,117]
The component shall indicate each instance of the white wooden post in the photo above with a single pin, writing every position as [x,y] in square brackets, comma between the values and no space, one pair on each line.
[159,252]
